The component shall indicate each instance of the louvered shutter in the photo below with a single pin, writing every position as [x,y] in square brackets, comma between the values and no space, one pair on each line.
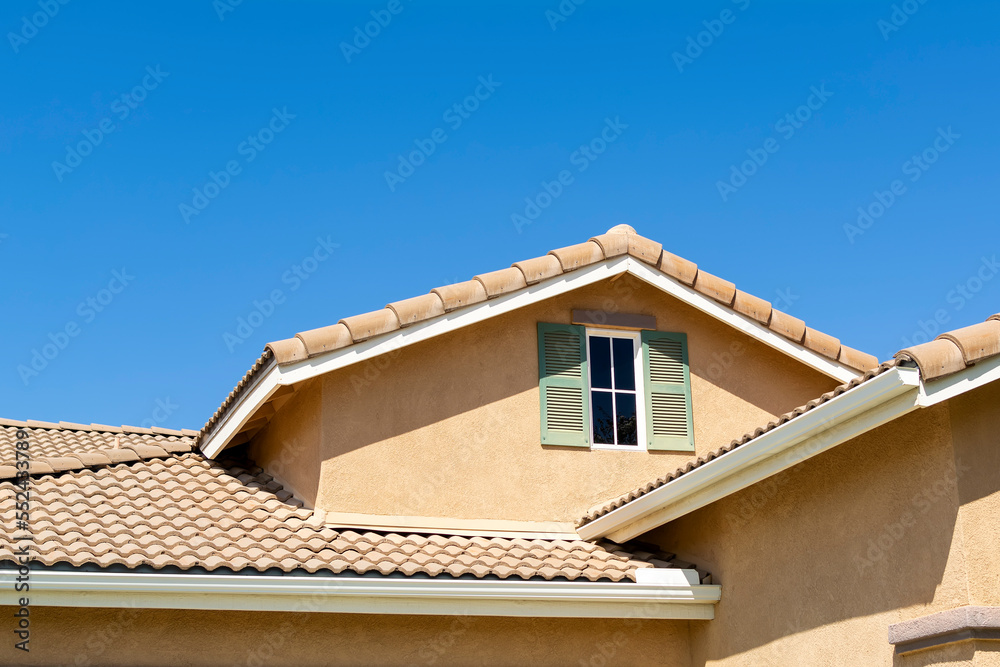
[668,391]
[562,383]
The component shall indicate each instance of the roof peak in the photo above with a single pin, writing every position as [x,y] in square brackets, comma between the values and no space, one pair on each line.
[623,229]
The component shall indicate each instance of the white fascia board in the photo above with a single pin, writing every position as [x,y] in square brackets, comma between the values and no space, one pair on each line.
[974,376]
[247,404]
[673,598]
[276,376]
[867,406]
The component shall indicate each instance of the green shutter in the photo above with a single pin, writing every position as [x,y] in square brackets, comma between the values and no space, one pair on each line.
[562,383]
[668,391]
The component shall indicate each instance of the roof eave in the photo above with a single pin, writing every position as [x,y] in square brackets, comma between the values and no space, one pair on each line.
[672,596]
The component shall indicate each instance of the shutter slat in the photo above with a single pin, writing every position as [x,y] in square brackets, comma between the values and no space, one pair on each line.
[562,361]
[668,391]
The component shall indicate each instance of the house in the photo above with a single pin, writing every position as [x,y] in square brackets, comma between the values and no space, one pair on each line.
[600,456]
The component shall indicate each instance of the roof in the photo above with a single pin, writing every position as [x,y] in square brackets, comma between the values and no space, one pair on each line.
[949,353]
[617,242]
[181,511]
[954,351]
[56,447]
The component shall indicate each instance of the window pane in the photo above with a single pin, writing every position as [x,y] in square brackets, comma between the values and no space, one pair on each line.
[628,428]
[624,363]
[600,362]
[603,416]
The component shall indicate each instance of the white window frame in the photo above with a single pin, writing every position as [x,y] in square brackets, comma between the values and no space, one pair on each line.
[640,388]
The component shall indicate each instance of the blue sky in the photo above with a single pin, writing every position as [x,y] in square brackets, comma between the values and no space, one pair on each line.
[164,167]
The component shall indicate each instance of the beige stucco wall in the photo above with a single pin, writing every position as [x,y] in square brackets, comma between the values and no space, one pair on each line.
[450,427]
[817,562]
[140,638]
[976,428]
[290,447]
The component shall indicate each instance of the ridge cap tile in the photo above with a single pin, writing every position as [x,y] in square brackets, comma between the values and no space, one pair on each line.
[617,241]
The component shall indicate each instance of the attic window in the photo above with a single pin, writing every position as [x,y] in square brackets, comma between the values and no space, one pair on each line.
[614,363]
[614,389]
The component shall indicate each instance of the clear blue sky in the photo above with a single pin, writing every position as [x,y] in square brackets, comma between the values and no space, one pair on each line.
[309,128]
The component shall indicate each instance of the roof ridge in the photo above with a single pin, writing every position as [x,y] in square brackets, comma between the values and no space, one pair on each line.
[955,350]
[123,452]
[619,502]
[97,428]
[618,241]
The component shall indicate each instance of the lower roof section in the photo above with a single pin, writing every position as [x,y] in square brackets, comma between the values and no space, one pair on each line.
[672,594]
[187,513]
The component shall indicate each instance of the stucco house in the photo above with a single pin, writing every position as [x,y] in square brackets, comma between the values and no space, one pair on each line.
[600,456]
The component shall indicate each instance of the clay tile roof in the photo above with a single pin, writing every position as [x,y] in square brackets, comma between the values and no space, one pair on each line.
[617,241]
[65,446]
[748,437]
[956,350]
[183,511]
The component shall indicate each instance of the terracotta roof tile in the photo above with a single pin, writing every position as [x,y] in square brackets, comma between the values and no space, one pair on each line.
[539,268]
[753,307]
[324,339]
[788,326]
[678,268]
[460,295]
[646,250]
[501,282]
[820,342]
[417,309]
[579,255]
[721,290]
[613,244]
[288,351]
[856,359]
[185,511]
[66,446]
[241,386]
[616,242]
[369,325]
[976,342]
[954,351]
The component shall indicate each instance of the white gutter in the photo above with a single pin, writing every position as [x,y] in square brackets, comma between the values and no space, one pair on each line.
[665,594]
[867,406]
